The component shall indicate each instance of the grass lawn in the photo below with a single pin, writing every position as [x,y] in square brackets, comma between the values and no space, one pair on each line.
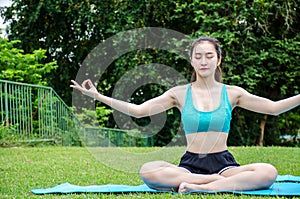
[23,169]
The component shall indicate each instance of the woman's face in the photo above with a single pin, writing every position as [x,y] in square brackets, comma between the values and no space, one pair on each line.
[205,59]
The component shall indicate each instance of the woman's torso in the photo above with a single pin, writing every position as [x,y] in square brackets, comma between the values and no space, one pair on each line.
[206,100]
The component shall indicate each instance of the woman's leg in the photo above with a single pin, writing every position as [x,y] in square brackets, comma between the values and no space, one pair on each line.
[162,175]
[247,177]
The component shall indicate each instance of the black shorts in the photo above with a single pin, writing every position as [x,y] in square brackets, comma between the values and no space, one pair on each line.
[211,163]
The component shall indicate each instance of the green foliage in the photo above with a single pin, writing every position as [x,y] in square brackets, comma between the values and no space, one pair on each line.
[260,41]
[7,136]
[94,118]
[289,126]
[15,65]
[10,137]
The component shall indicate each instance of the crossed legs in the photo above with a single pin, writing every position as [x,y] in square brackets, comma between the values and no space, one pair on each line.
[162,175]
[165,176]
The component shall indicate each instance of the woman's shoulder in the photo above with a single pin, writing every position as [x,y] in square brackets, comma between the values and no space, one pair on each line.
[235,91]
[179,89]
[178,94]
[234,88]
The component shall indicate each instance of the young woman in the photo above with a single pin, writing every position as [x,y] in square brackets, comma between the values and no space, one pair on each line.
[206,105]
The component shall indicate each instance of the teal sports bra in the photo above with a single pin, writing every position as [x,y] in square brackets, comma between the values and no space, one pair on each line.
[217,120]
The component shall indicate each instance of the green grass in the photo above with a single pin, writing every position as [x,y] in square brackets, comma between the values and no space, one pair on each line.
[23,169]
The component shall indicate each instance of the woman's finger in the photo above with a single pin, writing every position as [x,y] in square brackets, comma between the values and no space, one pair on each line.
[75,84]
[83,85]
[90,84]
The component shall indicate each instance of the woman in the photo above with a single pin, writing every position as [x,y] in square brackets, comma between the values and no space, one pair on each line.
[206,105]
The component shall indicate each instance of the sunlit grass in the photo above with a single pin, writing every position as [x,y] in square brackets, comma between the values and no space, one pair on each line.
[24,169]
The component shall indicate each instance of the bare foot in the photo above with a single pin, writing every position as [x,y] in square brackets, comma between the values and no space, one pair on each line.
[186,187]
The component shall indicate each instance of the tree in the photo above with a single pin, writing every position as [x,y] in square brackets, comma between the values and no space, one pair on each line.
[260,40]
[15,65]
[70,29]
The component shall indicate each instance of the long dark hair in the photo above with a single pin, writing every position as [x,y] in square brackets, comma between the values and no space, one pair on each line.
[218,72]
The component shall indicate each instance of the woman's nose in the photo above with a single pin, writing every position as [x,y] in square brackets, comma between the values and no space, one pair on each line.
[203,61]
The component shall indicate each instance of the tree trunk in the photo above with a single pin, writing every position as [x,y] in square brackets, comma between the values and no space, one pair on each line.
[260,141]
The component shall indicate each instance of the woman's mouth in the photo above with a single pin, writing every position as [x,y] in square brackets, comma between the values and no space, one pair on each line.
[203,69]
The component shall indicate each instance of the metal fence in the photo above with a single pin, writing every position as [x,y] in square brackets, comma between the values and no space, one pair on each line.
[37,113]
[110,137]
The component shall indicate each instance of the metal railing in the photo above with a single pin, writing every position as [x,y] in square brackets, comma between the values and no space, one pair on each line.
[110,137]
[37,113]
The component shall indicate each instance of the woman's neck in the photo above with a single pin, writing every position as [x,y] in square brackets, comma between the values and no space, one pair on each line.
[205,83]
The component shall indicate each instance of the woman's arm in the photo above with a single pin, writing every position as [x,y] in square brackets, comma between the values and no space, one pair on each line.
[262,105]
[150,107]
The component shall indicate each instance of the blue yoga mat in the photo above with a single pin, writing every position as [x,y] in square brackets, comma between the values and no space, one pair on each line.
[288,178]
[285,185]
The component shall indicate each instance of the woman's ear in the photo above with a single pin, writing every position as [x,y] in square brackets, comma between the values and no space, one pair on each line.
[191,62]
[219,61]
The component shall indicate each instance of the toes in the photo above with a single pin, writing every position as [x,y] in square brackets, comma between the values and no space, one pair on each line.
[182,187]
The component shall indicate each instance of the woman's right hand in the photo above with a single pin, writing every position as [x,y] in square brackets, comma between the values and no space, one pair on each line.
[86,88]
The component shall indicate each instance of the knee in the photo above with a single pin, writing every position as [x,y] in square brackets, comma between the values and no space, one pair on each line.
[150,174]
[269,174]
[150,168]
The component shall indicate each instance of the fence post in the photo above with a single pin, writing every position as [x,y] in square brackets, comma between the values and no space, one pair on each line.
[6,104]
[51,113]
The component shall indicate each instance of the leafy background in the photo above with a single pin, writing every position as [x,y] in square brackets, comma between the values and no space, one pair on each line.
[260,41]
